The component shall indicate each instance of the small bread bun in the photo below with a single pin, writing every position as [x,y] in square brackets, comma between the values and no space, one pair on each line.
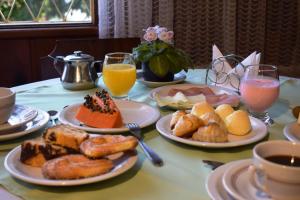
[213,117]
[224,110]
[238,123]
[201,108]
[186,125]
[175,117]
[210,133]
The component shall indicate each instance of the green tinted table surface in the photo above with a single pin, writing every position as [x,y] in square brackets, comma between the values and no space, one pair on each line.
[183,175]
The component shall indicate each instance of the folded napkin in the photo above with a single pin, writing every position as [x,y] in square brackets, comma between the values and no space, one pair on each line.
[179,100]
[228,76]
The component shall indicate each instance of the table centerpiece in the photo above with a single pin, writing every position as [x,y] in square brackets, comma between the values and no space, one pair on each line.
[159,59]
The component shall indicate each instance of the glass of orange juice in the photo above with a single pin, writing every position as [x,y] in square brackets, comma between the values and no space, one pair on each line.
[119,73]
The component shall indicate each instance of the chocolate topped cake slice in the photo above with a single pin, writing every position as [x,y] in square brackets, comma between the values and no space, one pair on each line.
[65,136]
[36,152]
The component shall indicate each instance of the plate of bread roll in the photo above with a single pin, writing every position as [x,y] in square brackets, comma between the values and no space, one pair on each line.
[66,156]
[205,126]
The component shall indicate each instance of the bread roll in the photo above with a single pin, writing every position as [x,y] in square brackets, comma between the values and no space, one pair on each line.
[238,123]
[224,110]
[210,133]
[175,117]
[201,108]
[186,125]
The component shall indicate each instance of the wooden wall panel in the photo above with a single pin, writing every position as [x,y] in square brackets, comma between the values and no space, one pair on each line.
[15,62]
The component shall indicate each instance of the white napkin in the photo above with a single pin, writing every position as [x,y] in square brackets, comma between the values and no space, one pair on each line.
[230,77]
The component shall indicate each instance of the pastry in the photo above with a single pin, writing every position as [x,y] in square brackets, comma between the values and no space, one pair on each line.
[99,111]
[74,167]
[224,110]
[201,108]
[186,125]
[104,145]
[36,152]
[175,117]
[238,123]
[213,117]
[65,136]
[210,133]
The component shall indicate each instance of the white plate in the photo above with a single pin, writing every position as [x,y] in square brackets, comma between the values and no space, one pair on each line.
[164,90]
[12,163]
[236,183]
[21,115]
[292,132]
[37,123]
[140,113]
[258,132]
[214,185]
[178,78]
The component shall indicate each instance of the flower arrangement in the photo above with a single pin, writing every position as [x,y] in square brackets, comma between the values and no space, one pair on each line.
[159,52]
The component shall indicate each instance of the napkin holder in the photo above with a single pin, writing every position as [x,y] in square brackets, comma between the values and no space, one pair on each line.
[220,73]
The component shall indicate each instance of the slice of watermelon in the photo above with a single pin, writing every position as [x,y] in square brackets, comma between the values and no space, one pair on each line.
[99,111]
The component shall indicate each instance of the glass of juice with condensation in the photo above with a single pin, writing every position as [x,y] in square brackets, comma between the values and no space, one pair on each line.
[259,89]
[119,74]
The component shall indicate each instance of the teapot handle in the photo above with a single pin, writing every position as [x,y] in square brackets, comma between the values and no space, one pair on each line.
[55,63]
[96,61]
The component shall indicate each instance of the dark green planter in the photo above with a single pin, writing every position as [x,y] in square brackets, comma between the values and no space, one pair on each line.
[150,76]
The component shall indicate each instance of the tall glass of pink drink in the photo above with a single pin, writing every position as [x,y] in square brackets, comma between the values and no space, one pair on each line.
[259,89]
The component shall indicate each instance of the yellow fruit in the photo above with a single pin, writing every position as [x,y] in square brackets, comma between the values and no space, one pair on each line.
[202,108]
[224,110]
[238,123]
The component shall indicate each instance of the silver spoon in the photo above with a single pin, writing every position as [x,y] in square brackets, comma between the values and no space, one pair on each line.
[53,116]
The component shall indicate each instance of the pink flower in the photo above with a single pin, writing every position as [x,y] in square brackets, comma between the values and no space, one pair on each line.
[166,36]
[170,35]
[150,36]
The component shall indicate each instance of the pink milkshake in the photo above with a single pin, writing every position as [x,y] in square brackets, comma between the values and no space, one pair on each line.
[259,92]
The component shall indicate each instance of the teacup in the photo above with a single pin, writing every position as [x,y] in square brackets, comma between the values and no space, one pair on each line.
[7,103]
[274,163]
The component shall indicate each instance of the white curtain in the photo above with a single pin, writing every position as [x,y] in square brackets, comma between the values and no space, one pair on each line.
[128,18]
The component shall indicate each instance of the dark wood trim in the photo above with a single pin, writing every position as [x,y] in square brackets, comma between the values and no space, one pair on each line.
[88,31]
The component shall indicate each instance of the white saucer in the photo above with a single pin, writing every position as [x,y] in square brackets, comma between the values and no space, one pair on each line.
[236,183]
[164,90]
[12,163]
[258,132]
[37,123]
[292,132]
[140,113]
[214,185]
[21,115]
[178,78]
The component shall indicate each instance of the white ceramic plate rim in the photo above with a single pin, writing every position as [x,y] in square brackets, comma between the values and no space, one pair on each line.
[179,77]
[150,119]
[289,134]
[13,158]
[214,178]
[40,124]
[7,126]
[165,121]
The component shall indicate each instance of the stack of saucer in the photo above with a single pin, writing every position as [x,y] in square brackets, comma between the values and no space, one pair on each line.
[23,120]
[237,180]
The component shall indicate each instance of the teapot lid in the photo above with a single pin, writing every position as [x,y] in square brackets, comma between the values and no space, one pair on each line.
[78,56]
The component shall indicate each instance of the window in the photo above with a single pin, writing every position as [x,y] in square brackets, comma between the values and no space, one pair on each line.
[34,18]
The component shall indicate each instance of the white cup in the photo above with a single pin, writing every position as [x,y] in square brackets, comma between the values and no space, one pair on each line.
[264,173]
[7,103]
